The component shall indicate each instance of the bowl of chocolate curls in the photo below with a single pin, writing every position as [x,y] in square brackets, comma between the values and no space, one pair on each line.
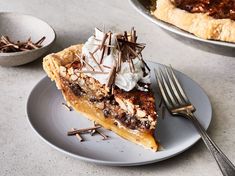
[23,38]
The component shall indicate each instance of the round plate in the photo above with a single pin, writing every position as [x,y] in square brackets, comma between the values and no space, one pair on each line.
[218,47]
[51,120]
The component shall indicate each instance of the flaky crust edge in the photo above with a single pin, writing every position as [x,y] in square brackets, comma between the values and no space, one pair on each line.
[199,24]
[51,64]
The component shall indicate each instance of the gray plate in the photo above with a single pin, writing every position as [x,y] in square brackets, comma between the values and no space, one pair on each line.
[51,121]
[218,47]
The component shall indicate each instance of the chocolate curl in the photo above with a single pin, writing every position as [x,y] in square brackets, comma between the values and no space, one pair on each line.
[111,78]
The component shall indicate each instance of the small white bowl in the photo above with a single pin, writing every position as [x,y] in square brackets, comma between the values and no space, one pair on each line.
[19,27]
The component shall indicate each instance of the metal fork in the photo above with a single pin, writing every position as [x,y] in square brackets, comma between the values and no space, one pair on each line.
[178,104]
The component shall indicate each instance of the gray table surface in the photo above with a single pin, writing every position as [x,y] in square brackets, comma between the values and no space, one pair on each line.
[22,152]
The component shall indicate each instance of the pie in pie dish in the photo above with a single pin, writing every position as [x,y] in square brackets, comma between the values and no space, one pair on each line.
[207,19]
[107,80]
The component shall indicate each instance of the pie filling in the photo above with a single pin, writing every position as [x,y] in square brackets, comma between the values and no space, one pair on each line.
[218,9]
[107,103]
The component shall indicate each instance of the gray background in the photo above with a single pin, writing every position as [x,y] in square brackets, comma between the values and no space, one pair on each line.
[23,153]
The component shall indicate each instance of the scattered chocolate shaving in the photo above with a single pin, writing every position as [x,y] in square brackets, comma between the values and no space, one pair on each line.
[102,134]
[67,107]
[92,132]
[78,136]
[84,130]
[7,46]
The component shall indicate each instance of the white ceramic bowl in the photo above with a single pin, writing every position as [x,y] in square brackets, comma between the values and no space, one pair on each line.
[19,27]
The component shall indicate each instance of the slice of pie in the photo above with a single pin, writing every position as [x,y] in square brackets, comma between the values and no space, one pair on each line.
[207,19]
[107,80]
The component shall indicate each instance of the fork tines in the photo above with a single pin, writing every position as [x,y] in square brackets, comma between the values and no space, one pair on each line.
[171,90]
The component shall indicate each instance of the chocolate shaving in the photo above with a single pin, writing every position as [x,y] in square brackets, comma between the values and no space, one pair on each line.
[102,134]
[92,132]
[106,66]
[131,65]
[80,59]
[111,78]
[39,42]
[92,72]
[102,54]
[133,52]
[118,46]
[111,46]
[85,62]
[139,45]
[92,56]
[67,107]
[97,131]
[97,48]
[7,46]
[84,130]
[103,41]
[133,35]
[140,49]
[145,64]
[119,61]
[125,35]
[78,135]
[110,37]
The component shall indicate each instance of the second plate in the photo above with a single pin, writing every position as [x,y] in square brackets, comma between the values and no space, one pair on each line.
[218,47]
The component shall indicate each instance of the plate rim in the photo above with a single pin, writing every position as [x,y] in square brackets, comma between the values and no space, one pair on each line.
[169,27]
[114,163]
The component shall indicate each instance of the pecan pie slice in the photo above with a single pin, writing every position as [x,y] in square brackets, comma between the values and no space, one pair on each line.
[208,19]
[107,80]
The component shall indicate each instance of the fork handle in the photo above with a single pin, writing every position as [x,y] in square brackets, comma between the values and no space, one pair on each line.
[225,165]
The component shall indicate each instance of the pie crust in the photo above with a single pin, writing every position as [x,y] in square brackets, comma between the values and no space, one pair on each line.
[199,24]
[51,65]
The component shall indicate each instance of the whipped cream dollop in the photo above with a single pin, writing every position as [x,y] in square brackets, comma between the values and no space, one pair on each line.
[125,79]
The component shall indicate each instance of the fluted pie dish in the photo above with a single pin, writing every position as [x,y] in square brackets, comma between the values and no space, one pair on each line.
[194,23]
[207,19]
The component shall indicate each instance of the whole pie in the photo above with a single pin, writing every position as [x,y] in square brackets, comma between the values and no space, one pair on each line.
[107,80]
[208,19]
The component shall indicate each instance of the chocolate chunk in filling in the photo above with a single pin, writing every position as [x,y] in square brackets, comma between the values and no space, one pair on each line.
[219,9]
